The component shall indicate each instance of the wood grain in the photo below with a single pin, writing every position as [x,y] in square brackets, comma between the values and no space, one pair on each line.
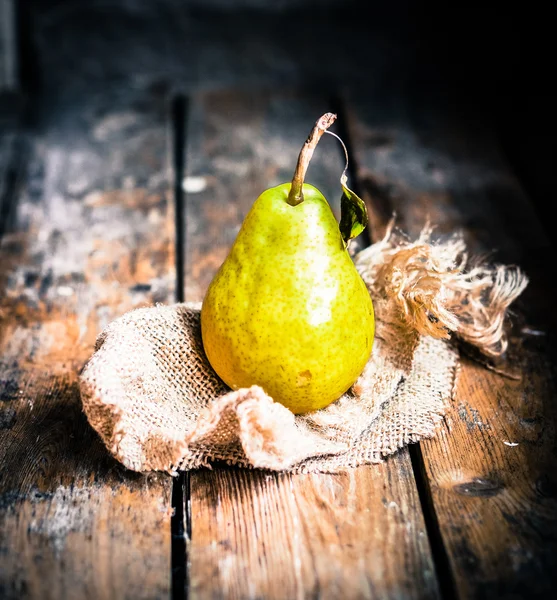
[266,535]
[92,237]
[491,469]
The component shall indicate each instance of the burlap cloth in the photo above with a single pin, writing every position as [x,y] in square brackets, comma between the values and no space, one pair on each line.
[157,404]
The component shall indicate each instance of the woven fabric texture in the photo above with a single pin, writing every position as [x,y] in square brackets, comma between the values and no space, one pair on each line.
[157,404]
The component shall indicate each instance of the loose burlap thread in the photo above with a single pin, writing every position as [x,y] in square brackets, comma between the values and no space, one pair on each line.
[157,404]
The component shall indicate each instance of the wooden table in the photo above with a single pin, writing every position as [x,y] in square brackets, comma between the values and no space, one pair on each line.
[131,197]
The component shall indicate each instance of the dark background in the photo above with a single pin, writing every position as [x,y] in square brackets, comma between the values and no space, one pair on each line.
[493,59]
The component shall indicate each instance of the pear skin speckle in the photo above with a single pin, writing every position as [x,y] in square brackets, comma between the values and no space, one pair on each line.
[288,310]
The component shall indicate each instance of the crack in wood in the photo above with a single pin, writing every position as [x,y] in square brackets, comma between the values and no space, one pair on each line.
[180,523]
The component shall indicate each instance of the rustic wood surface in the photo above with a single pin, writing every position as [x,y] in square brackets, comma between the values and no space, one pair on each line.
[92,236]
[88,233]
[354,535]
[254,534]
[491,470]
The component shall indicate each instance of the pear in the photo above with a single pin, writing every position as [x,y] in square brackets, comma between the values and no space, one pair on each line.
[287,309]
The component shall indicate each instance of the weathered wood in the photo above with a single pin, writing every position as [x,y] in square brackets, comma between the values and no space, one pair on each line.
[268,535]
[491,469]
[257,534]
[92,237]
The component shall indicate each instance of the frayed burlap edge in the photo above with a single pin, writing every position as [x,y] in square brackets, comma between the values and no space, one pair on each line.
[152,396]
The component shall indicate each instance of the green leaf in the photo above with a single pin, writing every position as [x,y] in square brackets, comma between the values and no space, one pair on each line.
[353,212]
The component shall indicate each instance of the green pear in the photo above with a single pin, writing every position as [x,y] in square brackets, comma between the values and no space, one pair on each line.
[288,310]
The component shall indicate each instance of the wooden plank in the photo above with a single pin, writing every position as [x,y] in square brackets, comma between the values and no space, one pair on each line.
[268,535]
[258,534]
[491,470]
[92,237]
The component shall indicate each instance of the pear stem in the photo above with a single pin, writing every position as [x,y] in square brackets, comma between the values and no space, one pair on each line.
[296,195]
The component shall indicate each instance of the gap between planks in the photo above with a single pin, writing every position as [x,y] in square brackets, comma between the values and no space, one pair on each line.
[179,525]
[258,534]
[75,522]
[380,215]
[491,502]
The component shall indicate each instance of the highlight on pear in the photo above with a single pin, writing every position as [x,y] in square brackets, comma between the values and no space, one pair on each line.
[288,310]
